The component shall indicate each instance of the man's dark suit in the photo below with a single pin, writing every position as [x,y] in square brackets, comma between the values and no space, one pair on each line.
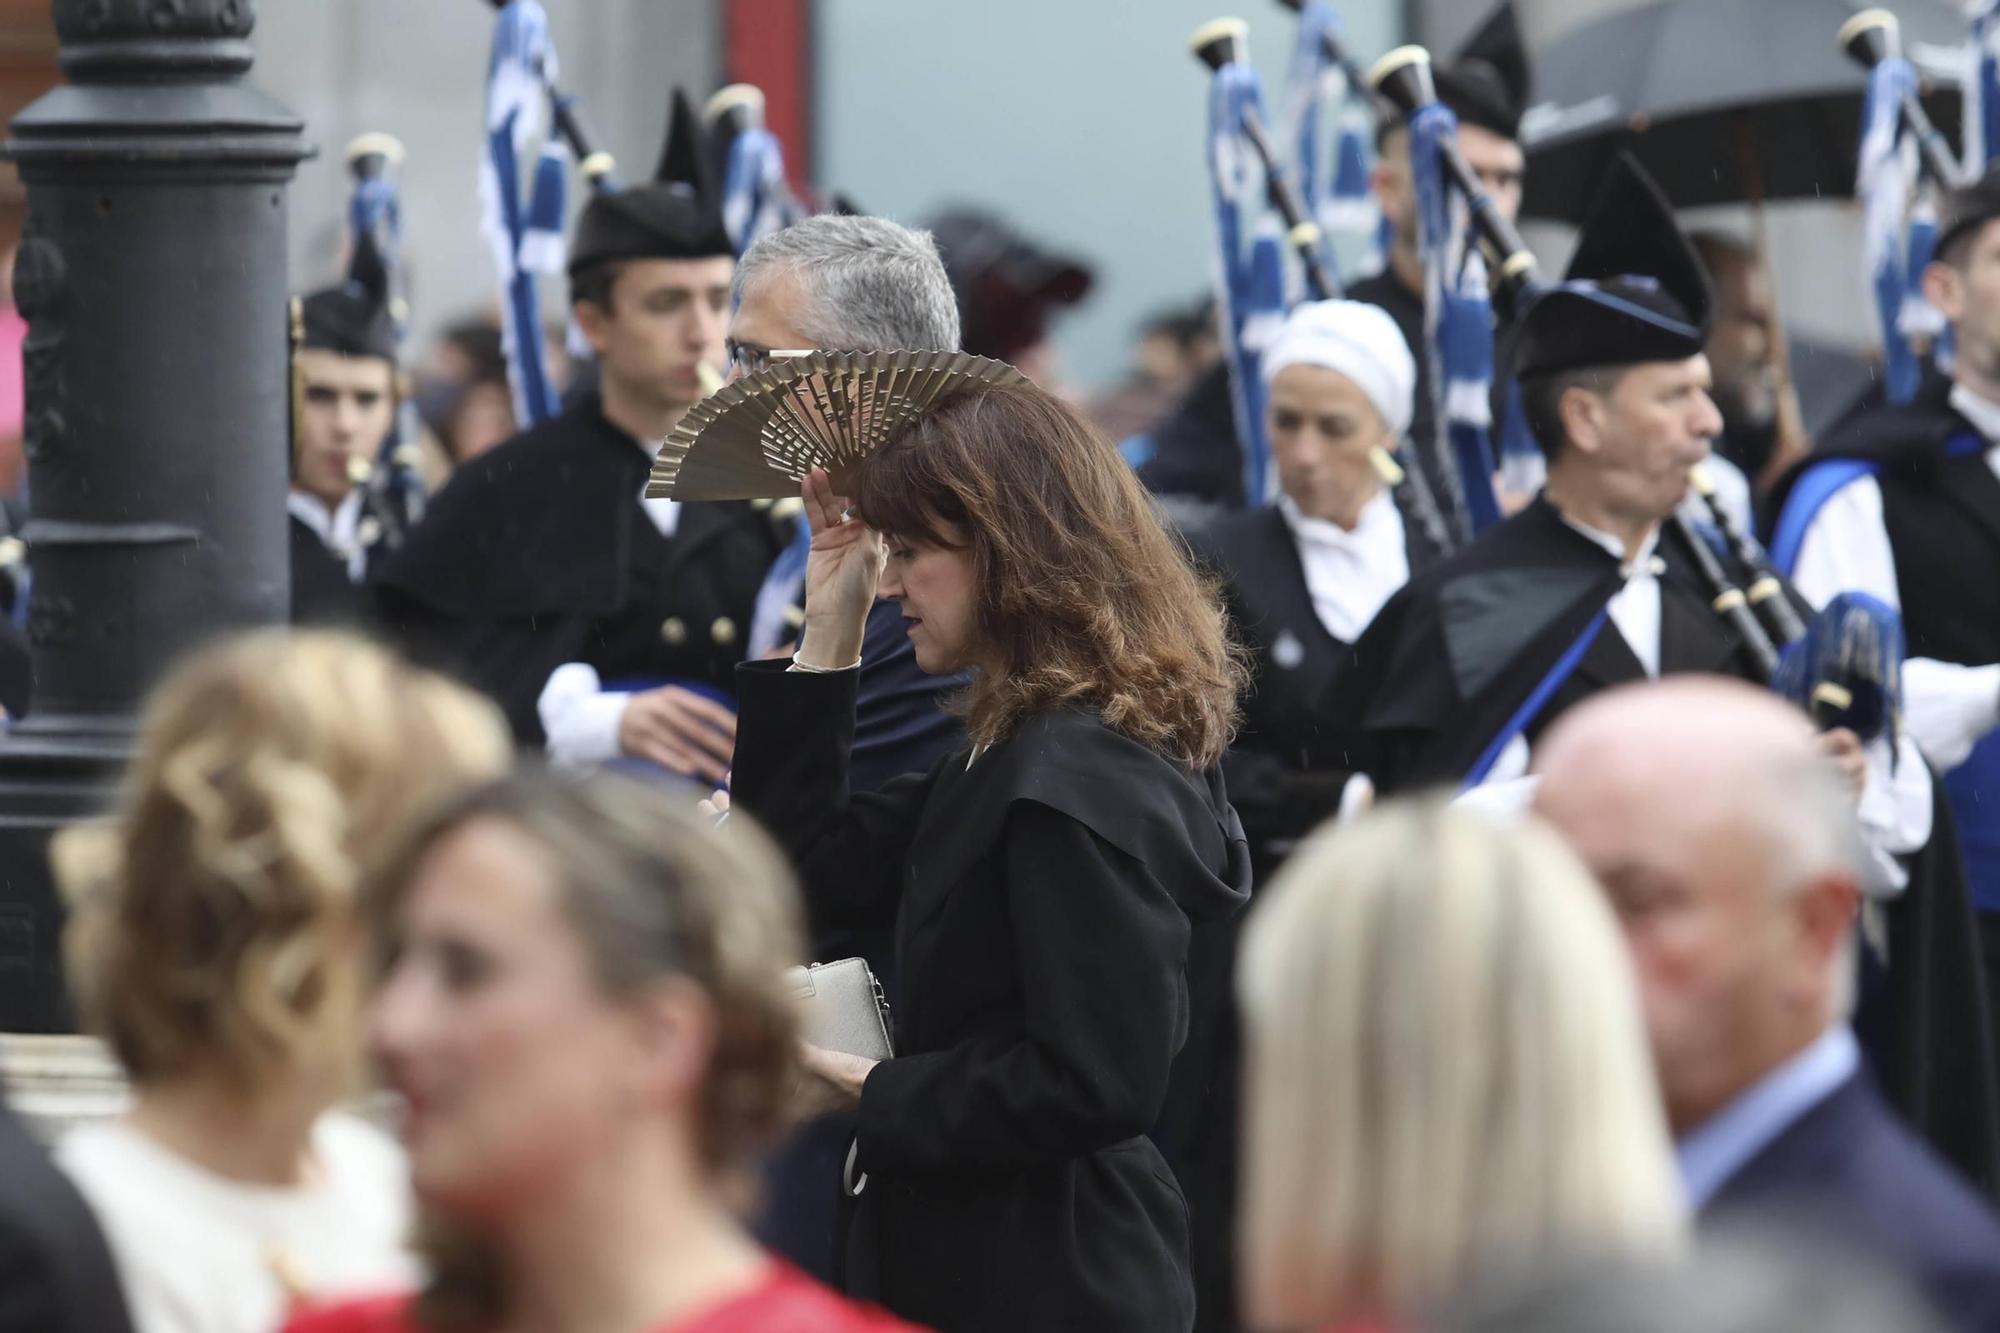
[55,1272]
[1849,1167]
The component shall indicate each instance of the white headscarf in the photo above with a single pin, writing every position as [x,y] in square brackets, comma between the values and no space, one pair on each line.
[1360,341]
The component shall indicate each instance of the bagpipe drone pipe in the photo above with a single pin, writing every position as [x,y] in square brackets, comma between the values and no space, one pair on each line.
[391,483]
[1259,212]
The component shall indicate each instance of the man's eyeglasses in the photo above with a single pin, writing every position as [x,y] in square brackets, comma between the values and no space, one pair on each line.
[749,358]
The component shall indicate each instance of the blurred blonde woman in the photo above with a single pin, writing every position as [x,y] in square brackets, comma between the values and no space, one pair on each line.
[215,942]
[1446,1072]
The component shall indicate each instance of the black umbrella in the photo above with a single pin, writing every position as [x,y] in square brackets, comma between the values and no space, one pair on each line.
[1722,101]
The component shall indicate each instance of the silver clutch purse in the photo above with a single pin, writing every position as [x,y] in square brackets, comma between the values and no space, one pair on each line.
[841,1008]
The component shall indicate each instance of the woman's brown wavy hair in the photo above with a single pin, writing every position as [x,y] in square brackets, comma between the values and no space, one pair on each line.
[1084,596]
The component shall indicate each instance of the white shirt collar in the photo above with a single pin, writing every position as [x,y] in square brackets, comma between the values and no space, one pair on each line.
[1348,574]
[1615,546]
[310,510]
[1983,413]
[1374,519]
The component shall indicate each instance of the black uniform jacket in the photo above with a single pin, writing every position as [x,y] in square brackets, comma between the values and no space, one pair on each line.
[1452,657]
[540,553]
[322,594]
[1043,898]
[1289,762]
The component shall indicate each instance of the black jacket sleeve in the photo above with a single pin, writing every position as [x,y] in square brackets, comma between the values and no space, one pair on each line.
[794,743]
[1103,951]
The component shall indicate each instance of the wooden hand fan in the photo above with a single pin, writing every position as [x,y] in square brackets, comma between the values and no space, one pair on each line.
[757,437]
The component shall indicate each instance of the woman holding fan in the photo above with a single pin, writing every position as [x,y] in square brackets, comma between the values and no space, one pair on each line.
[1044,885]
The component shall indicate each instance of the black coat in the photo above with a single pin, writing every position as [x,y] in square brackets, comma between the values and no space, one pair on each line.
[56,1274]
[322,594]
[1043,898]
[1850,1167]
[1451,658]
[1290,762]
[539,553]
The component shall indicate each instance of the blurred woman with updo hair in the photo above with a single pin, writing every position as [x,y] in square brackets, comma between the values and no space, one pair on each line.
[215,943]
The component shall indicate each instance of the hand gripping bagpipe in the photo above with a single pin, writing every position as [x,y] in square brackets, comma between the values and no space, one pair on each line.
[391,485]
[1844,667]
[1250,277]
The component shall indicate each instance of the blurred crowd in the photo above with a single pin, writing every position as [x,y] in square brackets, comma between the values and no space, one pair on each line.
[1275,912]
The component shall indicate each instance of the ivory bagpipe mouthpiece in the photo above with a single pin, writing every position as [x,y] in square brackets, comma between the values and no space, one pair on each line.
[375,145]
[1701,479]
[1404,77]
[1871,37]
[741,102]
[597,166]
[1220,42]
[1385,465]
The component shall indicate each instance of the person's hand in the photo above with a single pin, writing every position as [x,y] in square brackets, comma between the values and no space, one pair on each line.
[717,804]
[1843,747]
[680,729]
[842,571]
[828,1081]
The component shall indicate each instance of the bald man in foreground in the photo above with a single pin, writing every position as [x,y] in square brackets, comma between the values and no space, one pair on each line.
[1727,845]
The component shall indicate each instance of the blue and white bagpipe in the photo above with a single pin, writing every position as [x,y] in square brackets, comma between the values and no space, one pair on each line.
[1456,223]
[1259,218]
[1904,164]
[756,201]
[392,489]
[1336,193]
[523,220]
[1842,666]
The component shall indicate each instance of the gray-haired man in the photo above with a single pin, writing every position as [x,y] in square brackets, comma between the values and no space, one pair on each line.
[835,283]
[853,284]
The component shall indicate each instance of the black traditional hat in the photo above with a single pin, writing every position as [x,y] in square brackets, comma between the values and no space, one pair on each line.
[353,317]
[677,216]
[1968,208]
[1635,291]
[1487,82]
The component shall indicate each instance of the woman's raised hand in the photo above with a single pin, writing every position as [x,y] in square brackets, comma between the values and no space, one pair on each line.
[842,571]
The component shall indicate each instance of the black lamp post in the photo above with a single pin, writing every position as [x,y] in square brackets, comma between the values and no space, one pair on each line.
[152,276]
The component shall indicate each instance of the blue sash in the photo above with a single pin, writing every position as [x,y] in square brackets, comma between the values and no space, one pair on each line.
[1537,699]
[1819,484]
[1974,789]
